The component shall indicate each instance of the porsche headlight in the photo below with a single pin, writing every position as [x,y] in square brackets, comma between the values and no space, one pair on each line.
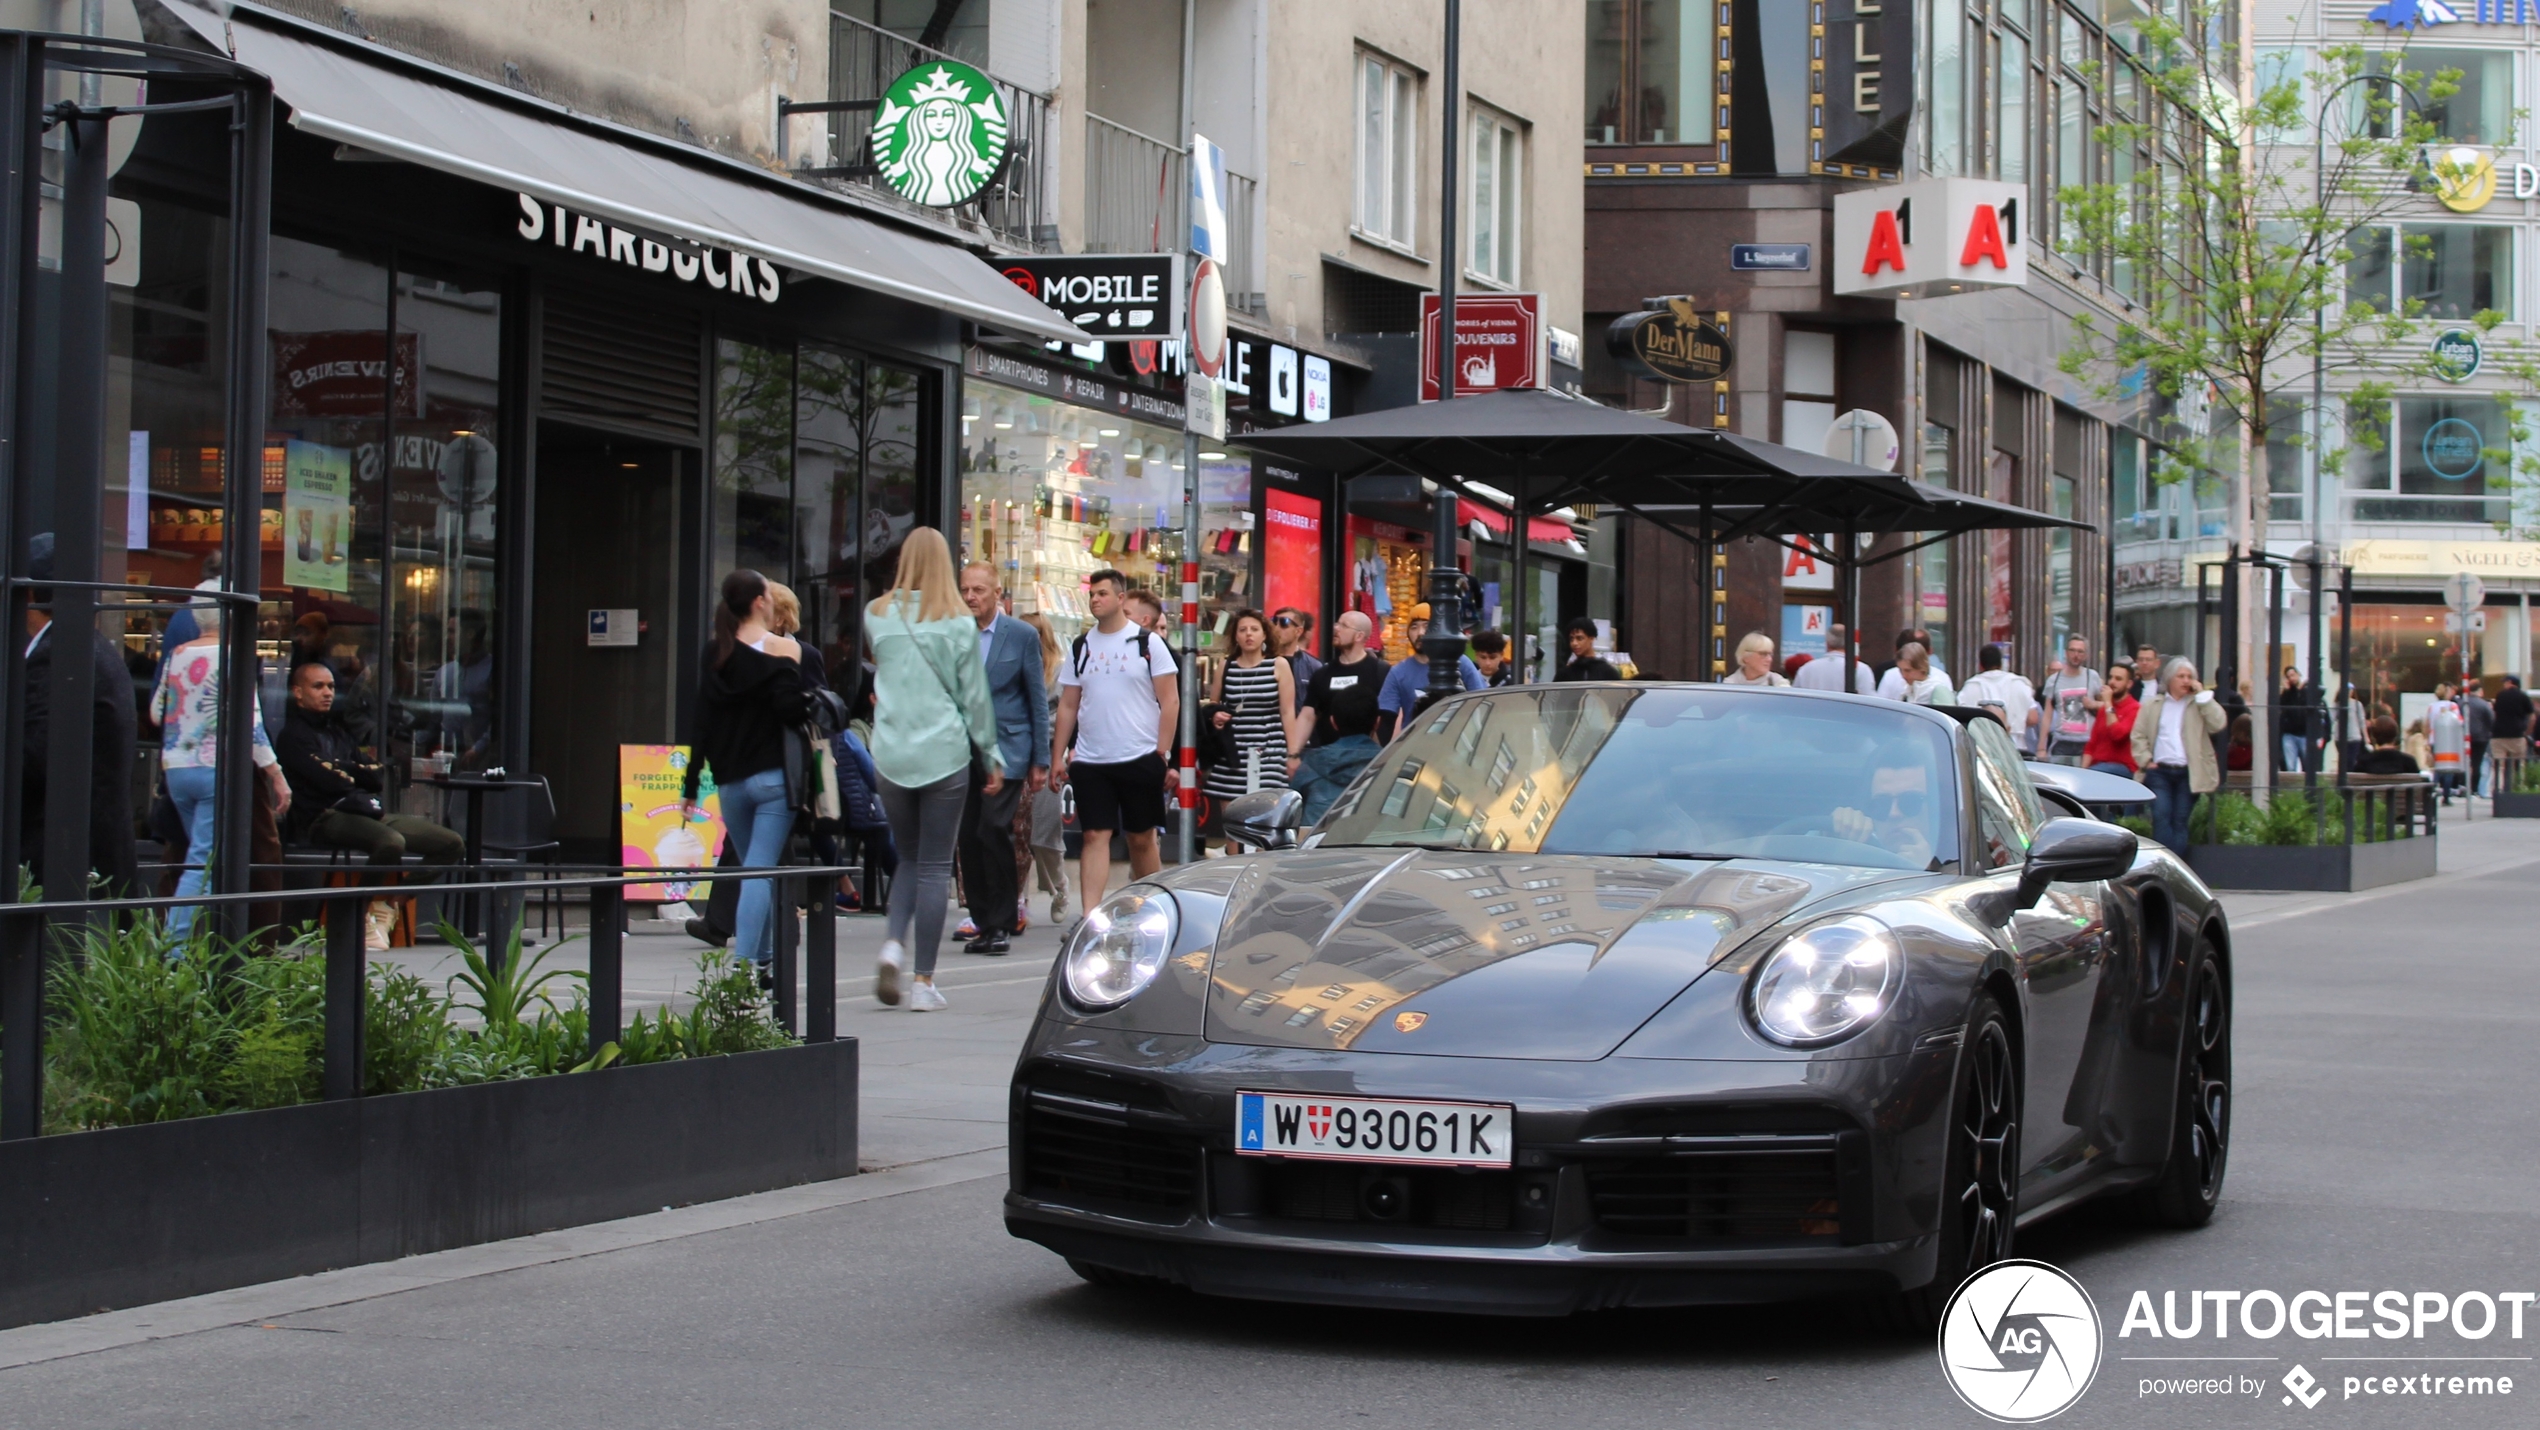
[1120,947]
[1827,982]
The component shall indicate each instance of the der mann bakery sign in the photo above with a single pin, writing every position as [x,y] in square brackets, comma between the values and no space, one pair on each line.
[720,269]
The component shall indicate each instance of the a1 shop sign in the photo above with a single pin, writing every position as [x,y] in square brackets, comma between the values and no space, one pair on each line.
[1930,238]
[1498,343]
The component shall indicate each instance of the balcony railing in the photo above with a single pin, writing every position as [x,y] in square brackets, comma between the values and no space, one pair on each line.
[1137,200]
[1016,209]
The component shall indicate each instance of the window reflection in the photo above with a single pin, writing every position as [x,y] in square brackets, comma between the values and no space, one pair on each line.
[443,527]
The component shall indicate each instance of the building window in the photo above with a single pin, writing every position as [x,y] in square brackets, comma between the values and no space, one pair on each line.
[2457,270]
[1388,152]
[1649,68]
[2479,110]
[1808,400]
[2433,463]
[1497,206]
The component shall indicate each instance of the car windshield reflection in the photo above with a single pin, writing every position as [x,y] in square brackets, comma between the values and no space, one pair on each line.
[1663,771]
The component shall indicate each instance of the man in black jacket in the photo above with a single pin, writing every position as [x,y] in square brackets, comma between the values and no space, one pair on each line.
[110,729]
[2512,738]
[336,789]
[1584,662]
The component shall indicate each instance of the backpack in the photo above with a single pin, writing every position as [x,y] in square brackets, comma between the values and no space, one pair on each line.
[1078,651]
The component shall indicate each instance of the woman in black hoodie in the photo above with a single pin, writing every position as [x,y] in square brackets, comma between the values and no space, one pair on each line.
[749,690]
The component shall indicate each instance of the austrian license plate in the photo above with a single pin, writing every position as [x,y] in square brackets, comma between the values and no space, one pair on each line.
[1375,1129]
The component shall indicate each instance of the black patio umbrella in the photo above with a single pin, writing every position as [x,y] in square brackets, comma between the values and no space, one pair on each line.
[1548,450]
[1938,515]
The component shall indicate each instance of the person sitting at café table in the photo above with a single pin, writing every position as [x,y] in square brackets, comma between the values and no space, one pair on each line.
[336,786]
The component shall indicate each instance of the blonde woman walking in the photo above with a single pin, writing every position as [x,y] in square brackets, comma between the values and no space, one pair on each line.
[931,715]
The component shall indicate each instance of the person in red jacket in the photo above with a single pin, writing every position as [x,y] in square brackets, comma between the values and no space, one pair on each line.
[2111,747]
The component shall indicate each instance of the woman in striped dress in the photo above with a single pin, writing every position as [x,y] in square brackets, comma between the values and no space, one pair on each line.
[1258,694]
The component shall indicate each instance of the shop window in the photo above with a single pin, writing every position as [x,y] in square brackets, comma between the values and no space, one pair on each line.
[753,460]
[1388,203]
[859,440]
[1052,493]
[1496,207]
[1649,70]
[2479,109]
[1808,396]
[2455,270]
[444,526]
[2442,452]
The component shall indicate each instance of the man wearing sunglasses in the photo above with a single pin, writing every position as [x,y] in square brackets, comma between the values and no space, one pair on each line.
[1288,629]
[1899,817]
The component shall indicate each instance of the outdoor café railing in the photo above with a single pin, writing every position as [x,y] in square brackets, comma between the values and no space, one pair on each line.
[24,956]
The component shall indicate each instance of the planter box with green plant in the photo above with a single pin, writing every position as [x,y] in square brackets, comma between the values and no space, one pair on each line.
[188,1150]
[2322,840]
[2517,789]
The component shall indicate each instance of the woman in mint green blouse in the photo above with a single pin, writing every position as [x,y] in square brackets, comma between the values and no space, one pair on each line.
[931,713]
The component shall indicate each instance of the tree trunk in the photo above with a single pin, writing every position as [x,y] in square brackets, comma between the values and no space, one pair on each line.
[2254,509]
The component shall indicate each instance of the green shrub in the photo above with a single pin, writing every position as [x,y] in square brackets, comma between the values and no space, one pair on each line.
[2140,824]
[729,1017]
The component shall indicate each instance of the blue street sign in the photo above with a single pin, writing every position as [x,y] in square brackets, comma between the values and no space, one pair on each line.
[1771,257]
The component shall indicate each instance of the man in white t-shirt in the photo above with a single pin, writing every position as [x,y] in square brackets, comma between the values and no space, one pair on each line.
[1826,671]
[2008,693]
[1118,708]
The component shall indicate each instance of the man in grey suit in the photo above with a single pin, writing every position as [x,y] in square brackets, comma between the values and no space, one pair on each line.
[1012,651]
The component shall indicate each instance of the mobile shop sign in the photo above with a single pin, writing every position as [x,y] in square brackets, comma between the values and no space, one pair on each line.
[1498,343]
[1130,295]
[1930,238]
[723,270]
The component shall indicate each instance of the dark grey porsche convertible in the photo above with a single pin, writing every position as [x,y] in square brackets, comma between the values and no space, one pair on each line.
[1632,995]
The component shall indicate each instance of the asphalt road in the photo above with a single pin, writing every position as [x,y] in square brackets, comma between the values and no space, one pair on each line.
[2384,1140]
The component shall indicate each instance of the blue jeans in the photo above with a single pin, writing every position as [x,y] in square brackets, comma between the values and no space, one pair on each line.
[2295,747]
[2171,800]
[757,819]
[190,788]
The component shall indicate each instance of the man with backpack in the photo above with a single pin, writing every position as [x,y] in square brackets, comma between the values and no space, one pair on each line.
[1119,707]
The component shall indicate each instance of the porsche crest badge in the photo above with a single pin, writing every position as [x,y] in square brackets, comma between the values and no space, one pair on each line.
[1409,1022]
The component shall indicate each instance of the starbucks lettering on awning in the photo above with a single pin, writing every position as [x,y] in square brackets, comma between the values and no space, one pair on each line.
[723,270]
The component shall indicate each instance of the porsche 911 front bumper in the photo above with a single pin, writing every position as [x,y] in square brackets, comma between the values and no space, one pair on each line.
[1637,1182]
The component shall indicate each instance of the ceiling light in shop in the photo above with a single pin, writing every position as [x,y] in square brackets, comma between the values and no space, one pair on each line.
[1212,456]
[1111,431]
[1005,426]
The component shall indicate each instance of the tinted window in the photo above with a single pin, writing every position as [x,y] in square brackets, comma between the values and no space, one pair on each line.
[1664,770]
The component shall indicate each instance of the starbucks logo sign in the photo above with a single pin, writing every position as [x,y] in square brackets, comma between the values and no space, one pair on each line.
[939,134]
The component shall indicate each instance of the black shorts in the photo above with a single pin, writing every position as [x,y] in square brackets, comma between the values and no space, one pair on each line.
[1126,796]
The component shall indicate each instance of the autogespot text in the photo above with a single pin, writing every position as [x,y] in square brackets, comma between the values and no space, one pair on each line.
[2443,1357]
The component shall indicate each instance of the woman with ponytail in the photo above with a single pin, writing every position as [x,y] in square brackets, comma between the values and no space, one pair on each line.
[749,691]
[931,712]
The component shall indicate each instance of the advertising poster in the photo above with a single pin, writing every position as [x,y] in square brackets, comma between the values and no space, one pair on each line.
[317,516]
[1292,566]
[650,833]
[1804,630]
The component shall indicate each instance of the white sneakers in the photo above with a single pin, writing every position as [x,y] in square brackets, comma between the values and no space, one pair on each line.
[886,975]
[923,997]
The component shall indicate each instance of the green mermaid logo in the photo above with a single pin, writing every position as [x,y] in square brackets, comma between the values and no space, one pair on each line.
[939,135]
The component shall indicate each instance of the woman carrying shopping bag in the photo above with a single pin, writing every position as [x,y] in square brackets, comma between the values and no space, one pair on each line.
[930,713]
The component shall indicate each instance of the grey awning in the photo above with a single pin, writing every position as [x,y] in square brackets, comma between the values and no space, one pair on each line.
[360,94]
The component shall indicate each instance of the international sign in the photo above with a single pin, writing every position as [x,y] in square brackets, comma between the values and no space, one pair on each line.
[939,134]
[1126,295]
[1498,343]
[1672,342]
[2457,354]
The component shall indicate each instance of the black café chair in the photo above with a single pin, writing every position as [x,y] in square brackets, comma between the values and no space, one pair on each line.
[537,846]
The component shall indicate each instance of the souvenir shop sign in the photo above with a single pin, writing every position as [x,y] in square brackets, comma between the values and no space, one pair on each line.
[1112,295]
[720,269]
[340,373]
[1498,343]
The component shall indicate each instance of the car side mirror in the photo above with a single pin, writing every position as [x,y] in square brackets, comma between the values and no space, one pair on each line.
[2066,851]
[1268,818]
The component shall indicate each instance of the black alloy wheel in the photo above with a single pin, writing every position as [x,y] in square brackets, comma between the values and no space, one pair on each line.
[2190,1185]
[1980,1195]
[1985,1132]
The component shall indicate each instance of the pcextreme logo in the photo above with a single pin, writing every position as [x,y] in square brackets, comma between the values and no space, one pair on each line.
[2020,1342]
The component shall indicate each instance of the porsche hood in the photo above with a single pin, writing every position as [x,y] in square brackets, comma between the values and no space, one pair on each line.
[1480,954]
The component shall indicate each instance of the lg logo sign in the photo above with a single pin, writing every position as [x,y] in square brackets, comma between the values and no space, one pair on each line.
[1930,238]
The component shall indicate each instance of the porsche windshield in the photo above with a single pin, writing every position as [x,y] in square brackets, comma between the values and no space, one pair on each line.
[1685,771]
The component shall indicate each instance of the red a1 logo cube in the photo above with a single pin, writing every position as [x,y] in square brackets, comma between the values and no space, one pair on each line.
[1930,238]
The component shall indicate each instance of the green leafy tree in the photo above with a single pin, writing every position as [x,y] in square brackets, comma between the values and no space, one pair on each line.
[2233,250]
